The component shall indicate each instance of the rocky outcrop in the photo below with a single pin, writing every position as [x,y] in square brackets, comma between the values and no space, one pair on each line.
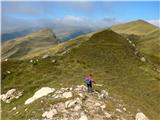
[40,93]
[141,116]
[74,103]
[10,95]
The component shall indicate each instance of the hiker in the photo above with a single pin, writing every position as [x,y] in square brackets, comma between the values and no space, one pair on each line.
[89,80]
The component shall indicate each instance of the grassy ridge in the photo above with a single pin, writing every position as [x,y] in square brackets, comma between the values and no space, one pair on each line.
[22,46]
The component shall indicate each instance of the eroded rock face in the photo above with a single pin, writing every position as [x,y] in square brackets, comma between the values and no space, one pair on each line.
[10,95]
[40,93]
[141,116]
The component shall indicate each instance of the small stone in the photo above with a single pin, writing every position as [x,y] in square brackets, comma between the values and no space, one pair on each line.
[49,114]
[143,59]
[45,56]
[26,109]
[17,112]
[130,41]
[97,104]
[133,45]
[103,95]
[14,108]
[71,103]
[77,107]
[118,110]
[83,117]
[141,116]
[53,61]
[67,94]
[107,115]
[103,106]
[31,61]
[124,109]
[8,72]
[70,89]
[6,60]
[80,94]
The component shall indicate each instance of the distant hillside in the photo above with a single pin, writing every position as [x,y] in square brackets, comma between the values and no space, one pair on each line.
[138,27]
[150,45]
[16,34]
[145,35]
[19,47]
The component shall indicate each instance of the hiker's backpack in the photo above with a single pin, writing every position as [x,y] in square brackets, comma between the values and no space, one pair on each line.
[88,81]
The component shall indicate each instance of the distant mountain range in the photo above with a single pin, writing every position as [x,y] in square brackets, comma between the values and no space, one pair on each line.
[22,46]
[62,34]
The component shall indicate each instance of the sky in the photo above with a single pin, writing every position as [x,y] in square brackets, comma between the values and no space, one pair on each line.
[22,15]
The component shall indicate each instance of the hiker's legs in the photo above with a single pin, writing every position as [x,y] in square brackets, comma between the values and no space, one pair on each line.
[88,87]
[91,89]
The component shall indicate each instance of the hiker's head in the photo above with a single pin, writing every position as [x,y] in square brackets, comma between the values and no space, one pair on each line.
[90,75]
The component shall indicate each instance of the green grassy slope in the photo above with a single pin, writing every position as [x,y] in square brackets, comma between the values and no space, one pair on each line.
[106,55]
[138,27]
[145,35]
[20,47]
[150,45]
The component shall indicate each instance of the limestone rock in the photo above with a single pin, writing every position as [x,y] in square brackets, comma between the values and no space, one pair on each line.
[103,94]
[45,56]
[50,114]
[141,116]
[107,115]
[67,94]
[40,93]
[83,117]
[10,95]
[143,59]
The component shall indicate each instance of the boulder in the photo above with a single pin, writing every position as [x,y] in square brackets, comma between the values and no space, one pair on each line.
[40,93]
[141,116]
[10,95]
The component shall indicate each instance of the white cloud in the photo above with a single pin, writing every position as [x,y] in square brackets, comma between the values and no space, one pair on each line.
[155,22]
[66,23]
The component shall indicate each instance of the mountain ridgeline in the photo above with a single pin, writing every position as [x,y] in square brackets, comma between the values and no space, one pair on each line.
[22,46]
[108,55]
